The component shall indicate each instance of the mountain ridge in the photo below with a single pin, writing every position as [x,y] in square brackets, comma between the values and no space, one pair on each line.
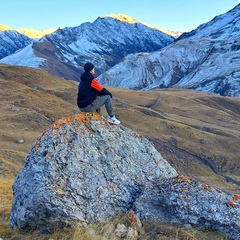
[31,33]
[205,60]
[104,42]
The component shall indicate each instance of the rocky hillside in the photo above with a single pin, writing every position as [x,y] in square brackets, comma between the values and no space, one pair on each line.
[86,170]
[206,59]
[197,133]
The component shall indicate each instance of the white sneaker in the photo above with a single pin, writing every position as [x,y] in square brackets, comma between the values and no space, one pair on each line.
[113,120]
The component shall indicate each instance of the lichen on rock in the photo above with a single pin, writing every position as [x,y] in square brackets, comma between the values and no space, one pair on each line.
[83,169]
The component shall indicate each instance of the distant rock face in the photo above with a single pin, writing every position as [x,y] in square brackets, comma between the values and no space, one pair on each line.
[83,169]
[11,41]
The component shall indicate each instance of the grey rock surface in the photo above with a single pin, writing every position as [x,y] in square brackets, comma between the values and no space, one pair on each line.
[187,201]
[82,168]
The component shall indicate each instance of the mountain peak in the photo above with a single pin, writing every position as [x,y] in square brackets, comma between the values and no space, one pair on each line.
[123,18]
[128,19]
[33,33]
[4,27]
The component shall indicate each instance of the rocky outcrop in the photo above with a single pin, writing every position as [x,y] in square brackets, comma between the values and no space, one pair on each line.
[185,200]
[82,169]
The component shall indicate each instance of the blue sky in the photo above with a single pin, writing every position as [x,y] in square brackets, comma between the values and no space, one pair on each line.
[176,15]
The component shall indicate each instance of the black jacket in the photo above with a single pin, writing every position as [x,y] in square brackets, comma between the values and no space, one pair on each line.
[88,90]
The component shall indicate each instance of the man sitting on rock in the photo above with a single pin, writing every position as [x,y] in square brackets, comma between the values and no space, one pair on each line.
[92,95]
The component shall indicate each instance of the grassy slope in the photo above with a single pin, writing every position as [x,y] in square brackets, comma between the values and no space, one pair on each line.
[196,132]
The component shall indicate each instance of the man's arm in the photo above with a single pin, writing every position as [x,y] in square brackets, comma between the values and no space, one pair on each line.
[99,88]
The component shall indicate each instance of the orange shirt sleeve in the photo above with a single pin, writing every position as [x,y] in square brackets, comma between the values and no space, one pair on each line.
[96,85]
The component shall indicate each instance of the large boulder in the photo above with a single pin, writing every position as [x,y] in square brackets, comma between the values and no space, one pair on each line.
[83,168]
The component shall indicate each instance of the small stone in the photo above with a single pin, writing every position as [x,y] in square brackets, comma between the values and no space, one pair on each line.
[20,141]
[15,108]
[132,234]
[121,230]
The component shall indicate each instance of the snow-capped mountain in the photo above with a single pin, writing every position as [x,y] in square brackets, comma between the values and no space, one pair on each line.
[4,27]
[104,42]
[225,26]
[31,33]
[11,41]
[128,19]
[36,34]
[207,59]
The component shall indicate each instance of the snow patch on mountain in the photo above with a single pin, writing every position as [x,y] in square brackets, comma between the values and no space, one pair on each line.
[4,27]
[201,65]
[25,57]
[36,34]
[11,41]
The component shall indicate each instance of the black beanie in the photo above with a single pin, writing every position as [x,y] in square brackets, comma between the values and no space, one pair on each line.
[88,67]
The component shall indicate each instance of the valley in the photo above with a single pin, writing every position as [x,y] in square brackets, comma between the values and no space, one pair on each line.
[197,133]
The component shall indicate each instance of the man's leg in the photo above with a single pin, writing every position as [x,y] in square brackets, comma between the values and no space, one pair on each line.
[98,102]
[103,100]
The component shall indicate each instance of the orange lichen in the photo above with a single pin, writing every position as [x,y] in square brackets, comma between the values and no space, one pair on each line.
[231,204]
[185,179]
[135,135]
[81,118]
[39,138]
[176,180]
[181,179]
[132,218]
[183,197]
[36,144]
[206,187]
[235,198]
[49,156]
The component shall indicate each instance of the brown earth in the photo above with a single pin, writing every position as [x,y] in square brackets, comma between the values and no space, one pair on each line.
[198,133]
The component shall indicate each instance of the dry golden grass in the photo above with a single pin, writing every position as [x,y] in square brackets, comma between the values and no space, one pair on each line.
[5,206]
[198,133]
